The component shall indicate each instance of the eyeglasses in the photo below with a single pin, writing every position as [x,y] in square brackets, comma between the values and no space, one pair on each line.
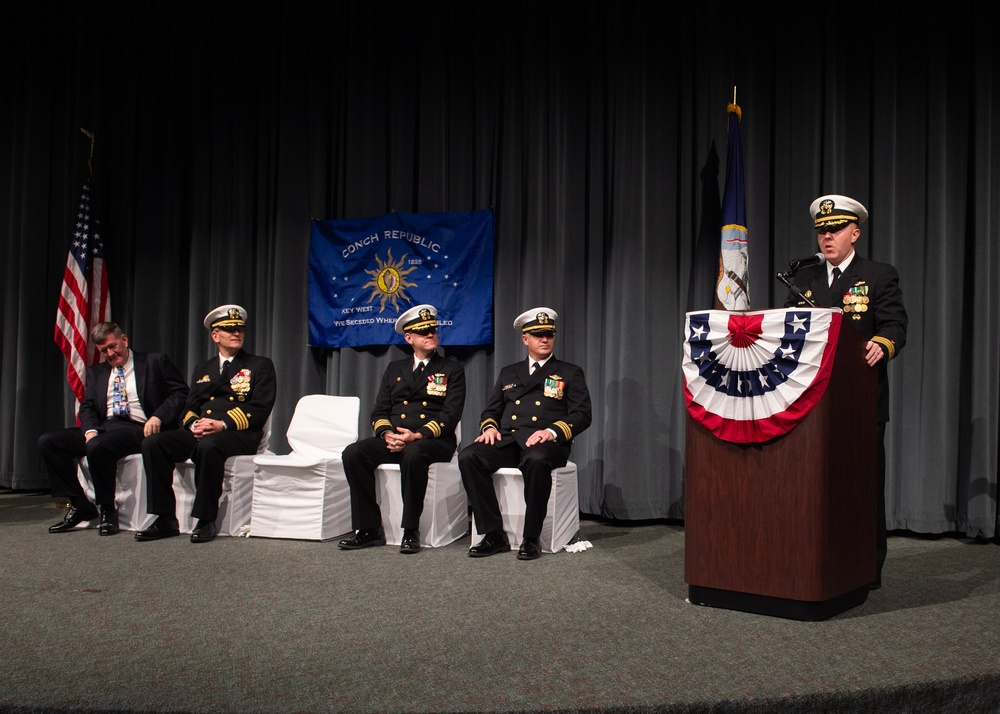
[426,332]
[232,328]
[543,333]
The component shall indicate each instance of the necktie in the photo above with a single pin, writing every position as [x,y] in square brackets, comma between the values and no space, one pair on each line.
[835,285]
[119,398]
[534,366]
[419,370]
[225,364]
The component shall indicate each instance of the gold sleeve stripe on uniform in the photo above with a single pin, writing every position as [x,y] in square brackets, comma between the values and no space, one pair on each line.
[188,417]
[239,419]
[889,345]
[380,423]
[488,422]
[566,429]
[435,428]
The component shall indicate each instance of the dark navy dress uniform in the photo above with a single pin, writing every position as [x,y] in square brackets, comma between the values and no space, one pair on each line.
[869,294]
[242,397]
[430,404]
[872,301]
[555,397]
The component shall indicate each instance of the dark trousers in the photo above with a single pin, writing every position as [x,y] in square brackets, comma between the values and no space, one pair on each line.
[61,448]
[360,461]
[160,452]
[881,547]
[477,463]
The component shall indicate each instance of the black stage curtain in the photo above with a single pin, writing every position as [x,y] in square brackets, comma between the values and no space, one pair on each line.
[596,131]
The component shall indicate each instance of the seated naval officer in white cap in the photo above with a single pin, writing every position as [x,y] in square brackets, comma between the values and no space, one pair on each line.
[537,407]
[228,404]
[418,405]
[869,294]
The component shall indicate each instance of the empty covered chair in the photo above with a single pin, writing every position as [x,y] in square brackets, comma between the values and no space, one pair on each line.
[304,494]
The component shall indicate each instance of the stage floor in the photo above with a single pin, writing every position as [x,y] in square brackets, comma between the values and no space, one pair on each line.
[105,624]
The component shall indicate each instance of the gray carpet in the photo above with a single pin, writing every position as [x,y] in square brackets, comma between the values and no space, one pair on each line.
[95,623]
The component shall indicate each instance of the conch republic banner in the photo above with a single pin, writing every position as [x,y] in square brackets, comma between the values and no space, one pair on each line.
[752,376]
[365,272]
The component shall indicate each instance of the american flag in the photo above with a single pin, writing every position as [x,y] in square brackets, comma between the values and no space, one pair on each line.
[83,300]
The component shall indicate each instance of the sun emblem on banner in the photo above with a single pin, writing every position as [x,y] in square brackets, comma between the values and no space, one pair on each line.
[389,281]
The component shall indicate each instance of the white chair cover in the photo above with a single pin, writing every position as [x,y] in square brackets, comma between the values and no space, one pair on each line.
[237,491]
[130,491]
[562,515]
[445,517]
[305,494]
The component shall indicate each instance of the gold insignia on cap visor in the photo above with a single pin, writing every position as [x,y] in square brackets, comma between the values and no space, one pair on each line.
[426,319]
[231,319]
[834,210]
[419,317]
[537,319]
[226,316]
[831,215]
[841,218]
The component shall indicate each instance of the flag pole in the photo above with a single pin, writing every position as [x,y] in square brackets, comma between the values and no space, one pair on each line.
[90,135]
[732,282]
[734,108]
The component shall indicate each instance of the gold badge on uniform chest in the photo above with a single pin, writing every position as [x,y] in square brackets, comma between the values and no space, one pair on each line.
[554,387]
[856,300]
[437,385]
[240,383]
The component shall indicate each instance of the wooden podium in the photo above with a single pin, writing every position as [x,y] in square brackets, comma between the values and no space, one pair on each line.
[787,527]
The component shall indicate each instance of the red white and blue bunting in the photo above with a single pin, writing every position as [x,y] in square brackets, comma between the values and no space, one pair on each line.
[752,376]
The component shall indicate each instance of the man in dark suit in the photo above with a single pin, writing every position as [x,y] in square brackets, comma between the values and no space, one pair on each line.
[419,402]
[144,395]
[872,301]
[536,409]
[229,403]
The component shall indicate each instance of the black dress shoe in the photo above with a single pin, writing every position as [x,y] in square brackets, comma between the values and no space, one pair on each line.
[529,550]
[491,544]
[365,538]
[163,527]
[203,532]
[410,542]
[109,521]
[876,584]
[74,517]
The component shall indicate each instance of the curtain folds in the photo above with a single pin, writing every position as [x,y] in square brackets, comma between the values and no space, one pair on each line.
[595,135]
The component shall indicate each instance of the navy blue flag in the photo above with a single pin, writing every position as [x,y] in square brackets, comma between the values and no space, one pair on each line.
[732,290]
[365,272]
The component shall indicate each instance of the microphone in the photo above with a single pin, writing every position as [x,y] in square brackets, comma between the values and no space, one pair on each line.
[815,259]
